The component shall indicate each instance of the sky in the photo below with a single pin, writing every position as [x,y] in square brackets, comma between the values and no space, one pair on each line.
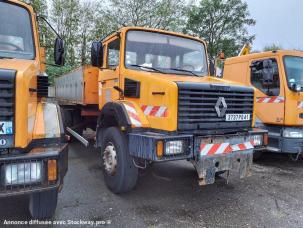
[279,22]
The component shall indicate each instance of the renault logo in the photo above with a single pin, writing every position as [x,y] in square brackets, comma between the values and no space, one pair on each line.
[221,107]
[2,142]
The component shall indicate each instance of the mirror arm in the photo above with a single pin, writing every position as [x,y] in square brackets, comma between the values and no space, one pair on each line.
[121,92]
[44,19]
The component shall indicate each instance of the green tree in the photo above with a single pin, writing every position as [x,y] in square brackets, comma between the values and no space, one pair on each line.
[65,14]
[163,14]
[272,47]
[89,22]
[39,6]
[222,24]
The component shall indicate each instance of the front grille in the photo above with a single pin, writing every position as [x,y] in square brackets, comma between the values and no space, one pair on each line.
[196,109]
[7,95]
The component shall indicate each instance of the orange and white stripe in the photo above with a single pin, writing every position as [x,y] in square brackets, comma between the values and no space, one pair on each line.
[223,148]
[276,100]
[132,114]
[156,111]
[300,104]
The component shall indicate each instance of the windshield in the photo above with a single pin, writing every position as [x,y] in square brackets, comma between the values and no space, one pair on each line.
[16,37]
[165,53]
[294,70]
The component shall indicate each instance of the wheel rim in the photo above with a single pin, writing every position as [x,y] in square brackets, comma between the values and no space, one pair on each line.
[110,159]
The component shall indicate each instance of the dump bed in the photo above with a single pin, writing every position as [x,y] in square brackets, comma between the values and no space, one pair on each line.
[78,87]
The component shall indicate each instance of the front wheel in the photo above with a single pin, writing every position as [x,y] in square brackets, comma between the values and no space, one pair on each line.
[120,173]
[42,205]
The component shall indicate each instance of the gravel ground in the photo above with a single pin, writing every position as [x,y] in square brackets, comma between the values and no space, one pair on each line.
[167,195]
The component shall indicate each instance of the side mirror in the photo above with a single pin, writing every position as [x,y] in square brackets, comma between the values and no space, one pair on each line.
[97,54]
[268,73]
[212,68]
[59,52]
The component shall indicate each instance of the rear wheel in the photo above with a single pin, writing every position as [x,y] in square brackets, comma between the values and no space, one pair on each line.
[120,173]
[42,205]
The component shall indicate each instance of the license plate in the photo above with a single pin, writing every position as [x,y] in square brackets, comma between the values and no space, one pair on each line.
[237,117]
[6,128]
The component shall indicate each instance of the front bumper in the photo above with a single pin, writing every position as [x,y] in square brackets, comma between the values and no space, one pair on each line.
[38,154]
[291,145]
[209,154]
[208,166]
[279,144]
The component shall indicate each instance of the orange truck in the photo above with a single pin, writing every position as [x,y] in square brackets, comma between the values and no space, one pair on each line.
[149,97]
[33,149]
[277,77]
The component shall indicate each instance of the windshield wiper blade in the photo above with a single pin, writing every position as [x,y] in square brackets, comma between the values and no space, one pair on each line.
[147,67]
[187,71]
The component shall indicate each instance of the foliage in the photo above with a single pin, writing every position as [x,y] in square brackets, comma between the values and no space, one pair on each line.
[162,14]
[222,24]
[39,6]
[272,47]
[65,14]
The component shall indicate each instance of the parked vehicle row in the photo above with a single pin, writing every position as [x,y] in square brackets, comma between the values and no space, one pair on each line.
[149,95]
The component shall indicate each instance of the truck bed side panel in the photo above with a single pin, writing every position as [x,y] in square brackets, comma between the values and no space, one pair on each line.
[69,87]
[78,87]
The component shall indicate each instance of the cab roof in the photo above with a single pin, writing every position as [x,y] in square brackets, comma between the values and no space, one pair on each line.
[259,55]
[126,29]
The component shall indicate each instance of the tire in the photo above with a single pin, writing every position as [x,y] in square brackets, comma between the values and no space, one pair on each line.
[124,175]
[42,205]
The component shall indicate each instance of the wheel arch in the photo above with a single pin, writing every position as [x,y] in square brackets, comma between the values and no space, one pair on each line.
[113,114]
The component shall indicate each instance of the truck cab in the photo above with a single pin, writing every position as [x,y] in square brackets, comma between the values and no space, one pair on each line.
[33,151]
[277,77]
[154,101]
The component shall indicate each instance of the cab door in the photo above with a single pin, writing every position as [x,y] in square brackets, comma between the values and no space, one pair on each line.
[109,75]
[265,76]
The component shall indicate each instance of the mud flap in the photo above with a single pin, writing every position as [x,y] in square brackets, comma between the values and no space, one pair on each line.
[208,166]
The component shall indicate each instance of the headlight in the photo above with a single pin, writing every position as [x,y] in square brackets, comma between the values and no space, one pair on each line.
[174,147]
[23,173]
[257,139]
[293,133]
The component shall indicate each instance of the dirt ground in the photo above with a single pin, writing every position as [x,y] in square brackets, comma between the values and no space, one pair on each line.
[167,195]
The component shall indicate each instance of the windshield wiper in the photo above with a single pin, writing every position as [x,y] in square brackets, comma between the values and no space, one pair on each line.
[147,67]
[187,71]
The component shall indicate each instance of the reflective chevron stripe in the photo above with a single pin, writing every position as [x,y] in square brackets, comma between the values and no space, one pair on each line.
[223,148]
[276,100]
[156,111]
[132,114]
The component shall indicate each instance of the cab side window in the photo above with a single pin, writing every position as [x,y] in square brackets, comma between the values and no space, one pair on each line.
[265,76]
[113,56]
